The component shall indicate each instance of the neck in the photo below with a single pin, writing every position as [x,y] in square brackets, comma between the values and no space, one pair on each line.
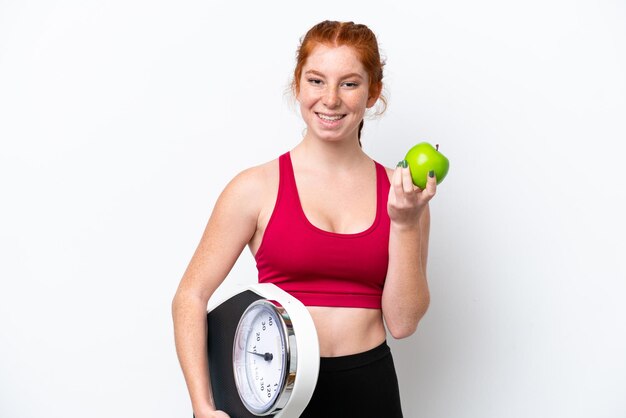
[329,155]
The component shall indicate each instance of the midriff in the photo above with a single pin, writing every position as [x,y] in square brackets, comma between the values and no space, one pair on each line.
[345,331]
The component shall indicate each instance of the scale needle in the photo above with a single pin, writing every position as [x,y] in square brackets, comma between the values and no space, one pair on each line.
[266,356]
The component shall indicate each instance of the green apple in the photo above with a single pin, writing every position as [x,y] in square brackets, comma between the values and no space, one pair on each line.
[423,158]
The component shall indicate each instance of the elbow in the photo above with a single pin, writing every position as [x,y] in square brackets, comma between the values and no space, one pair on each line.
[400,332]
[186,301]
[175,305]
[406,325]
[179,303]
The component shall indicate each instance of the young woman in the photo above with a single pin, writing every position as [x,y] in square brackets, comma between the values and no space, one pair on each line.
[329,225]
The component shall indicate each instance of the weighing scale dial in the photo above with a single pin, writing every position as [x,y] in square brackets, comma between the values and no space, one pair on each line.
[263,358]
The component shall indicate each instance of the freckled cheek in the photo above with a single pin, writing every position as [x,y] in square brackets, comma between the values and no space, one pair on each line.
[357,101]
[308,100]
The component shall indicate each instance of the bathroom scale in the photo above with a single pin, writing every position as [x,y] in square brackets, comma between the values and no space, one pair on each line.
[263,353]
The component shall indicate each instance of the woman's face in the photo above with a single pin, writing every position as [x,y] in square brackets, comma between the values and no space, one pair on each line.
[334,93]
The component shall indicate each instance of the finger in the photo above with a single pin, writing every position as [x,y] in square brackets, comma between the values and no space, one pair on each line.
[407,181]
[396,180]
[431,184]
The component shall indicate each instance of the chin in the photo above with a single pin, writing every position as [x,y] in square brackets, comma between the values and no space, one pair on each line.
[332,137]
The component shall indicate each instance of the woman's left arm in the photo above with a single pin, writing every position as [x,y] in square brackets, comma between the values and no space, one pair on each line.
[405,295]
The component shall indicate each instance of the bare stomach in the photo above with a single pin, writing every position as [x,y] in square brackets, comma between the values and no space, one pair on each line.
[344,331]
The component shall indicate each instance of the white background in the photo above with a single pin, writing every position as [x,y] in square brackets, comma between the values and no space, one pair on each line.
[121,121]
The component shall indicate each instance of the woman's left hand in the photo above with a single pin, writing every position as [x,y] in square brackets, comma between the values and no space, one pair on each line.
[407,201]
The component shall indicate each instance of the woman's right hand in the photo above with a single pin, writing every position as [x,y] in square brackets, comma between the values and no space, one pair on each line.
[219,414]
[213,414]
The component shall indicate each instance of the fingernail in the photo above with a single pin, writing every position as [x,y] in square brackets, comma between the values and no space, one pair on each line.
[431,173]
[405,164]
[399,164]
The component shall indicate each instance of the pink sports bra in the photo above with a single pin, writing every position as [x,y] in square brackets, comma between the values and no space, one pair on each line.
[322,268]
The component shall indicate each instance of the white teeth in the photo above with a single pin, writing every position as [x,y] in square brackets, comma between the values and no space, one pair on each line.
[329,118]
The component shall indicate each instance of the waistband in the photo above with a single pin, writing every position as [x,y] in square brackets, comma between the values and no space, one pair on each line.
[353,361]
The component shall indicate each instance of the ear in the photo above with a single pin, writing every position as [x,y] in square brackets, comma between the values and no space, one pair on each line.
[374,94]
[295,91]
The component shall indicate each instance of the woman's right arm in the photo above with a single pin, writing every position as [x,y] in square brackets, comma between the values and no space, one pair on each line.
[230,227]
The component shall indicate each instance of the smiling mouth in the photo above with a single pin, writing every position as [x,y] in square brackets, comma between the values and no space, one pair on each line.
[330,118]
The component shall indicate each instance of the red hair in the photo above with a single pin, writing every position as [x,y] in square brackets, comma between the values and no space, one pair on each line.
[357,36]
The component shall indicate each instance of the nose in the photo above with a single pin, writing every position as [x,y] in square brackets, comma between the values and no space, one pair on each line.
[331,97]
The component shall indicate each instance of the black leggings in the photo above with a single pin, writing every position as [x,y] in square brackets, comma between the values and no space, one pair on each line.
[361,385]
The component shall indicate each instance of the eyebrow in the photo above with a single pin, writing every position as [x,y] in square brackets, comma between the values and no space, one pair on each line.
[350,75]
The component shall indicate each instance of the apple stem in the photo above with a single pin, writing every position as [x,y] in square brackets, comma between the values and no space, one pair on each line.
[437,147]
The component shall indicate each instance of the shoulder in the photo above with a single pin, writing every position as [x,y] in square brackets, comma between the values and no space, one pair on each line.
[251,188]
[254,179]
